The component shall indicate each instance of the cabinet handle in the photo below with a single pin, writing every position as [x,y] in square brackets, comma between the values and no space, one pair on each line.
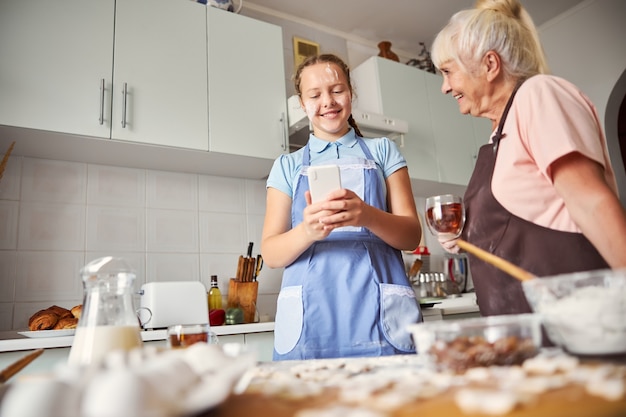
[124,95]
[285,143]
[101,120]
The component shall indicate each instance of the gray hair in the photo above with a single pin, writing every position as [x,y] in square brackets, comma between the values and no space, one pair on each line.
[502,26]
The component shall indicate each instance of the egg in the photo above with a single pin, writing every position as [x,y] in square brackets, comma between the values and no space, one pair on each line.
[54,398]
[121,392]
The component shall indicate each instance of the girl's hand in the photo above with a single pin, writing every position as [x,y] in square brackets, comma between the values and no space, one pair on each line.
[311,218]
[343,208]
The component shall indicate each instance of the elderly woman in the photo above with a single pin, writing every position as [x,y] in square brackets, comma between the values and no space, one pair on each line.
[543,193]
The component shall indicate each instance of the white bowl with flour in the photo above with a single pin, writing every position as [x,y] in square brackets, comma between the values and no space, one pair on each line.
[584,312]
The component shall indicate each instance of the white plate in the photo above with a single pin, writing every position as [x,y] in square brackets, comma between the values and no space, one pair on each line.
[48,333]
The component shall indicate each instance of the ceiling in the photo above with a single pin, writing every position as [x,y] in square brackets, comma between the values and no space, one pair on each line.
[404,23]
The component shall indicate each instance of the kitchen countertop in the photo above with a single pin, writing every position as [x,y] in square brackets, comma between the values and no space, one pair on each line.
[13,341]
[464,304]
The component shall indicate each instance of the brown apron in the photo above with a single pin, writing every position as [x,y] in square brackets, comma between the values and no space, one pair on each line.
[539,250]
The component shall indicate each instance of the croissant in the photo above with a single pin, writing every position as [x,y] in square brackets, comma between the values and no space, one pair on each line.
[77,310]
[43,320]
[66,323]
[60,311]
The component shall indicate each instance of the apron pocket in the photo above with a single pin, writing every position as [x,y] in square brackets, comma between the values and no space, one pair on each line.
[288,326]
[399,308]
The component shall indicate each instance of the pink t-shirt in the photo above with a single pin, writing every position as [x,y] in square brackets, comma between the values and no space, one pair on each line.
[549,118]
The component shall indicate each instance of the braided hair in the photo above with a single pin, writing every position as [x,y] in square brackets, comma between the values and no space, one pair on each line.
[323,59]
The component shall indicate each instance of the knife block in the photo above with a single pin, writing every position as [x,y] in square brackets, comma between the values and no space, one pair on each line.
[243,295]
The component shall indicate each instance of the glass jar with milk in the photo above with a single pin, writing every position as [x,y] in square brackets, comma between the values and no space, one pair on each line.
[108,321]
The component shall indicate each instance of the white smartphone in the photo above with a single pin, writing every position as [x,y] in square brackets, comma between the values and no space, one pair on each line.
[322,180]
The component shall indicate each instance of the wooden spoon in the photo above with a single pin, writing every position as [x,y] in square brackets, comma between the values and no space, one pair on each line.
[18,365]
[504,265]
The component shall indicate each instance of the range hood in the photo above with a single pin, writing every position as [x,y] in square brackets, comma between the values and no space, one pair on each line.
[370,124]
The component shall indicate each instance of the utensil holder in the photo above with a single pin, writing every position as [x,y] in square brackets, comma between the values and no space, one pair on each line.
[243,295]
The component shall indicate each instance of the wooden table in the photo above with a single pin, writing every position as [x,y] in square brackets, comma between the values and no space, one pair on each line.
[569,401]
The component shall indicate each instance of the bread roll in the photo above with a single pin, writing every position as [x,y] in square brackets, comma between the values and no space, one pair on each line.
[77,310]
[43,320]
[66,323]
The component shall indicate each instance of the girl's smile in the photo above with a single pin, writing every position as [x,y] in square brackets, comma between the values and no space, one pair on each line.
[327,100]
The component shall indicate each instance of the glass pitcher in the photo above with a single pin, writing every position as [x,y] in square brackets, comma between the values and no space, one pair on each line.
[108,321]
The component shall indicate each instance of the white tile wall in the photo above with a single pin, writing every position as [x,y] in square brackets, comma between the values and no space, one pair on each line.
[115,186]
[116,229]
[164,267]
[172,231]
[54,181]
[55,216]
[222,195]
[45,275]
[170,190]
[6,313]
[9,211]
[51,226]
[11,180]
[8,263]
[223,232]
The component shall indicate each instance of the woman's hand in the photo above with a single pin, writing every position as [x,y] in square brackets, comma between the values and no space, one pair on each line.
[449,245]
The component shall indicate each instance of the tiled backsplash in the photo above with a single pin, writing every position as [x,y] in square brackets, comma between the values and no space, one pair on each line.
[56,216]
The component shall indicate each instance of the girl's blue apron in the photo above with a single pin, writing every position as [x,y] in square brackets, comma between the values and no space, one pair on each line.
[347,295]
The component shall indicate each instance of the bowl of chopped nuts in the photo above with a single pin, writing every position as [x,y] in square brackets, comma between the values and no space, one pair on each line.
[458,345]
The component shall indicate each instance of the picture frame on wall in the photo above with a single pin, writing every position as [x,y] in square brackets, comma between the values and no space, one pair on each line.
[303,48]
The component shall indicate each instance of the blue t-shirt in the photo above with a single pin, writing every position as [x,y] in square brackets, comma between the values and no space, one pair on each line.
[286,168]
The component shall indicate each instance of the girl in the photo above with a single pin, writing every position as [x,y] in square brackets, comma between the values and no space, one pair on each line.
[344,291]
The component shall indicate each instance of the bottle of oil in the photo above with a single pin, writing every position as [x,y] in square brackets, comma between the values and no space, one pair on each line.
[215,295]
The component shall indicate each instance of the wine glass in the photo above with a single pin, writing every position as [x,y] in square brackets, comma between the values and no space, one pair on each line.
[445,215]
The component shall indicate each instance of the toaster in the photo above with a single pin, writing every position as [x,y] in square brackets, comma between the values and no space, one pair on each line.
[166,304]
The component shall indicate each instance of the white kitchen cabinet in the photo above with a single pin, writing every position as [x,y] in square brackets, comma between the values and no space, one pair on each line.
[247,96]
[160,73]
[482,132]
[171,73]
[231,338]
[387,87]
[262,344]
[54,55]
[453,132]
[69,61]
